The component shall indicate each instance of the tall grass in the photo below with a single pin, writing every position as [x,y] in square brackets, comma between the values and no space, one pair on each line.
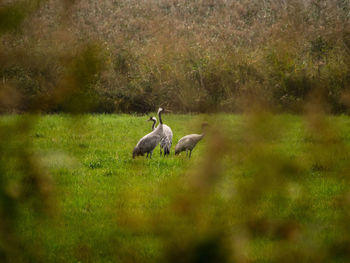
[194,56]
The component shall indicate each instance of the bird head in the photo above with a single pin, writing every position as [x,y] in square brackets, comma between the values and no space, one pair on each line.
[152,119]
[135,152]
[160,110]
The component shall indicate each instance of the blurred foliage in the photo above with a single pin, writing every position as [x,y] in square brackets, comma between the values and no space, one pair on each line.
[34,80]
[13,14]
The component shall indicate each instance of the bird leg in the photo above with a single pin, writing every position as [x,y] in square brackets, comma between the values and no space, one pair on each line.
[186,153]
[150,155]
[147,156]
[160,148]
[189,157]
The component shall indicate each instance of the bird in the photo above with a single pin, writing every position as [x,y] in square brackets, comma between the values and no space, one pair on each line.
[188,142]
[148,142]
[167,140]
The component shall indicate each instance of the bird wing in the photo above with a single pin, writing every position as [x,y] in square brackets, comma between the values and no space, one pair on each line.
[188,142]
[168,132]
[148,142]
[182,144]
[168,137]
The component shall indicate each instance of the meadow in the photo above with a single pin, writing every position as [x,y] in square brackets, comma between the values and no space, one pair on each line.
[258,188]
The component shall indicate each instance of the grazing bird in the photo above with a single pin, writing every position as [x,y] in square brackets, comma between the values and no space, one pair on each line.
[148,142]
[167,140]
[188,142]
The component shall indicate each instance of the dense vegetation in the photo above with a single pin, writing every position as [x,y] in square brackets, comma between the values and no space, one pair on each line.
[190,56]
[259,188]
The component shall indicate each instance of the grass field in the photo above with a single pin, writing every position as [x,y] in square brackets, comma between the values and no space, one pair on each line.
[276,189]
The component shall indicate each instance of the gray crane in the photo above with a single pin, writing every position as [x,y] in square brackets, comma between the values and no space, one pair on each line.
[188,142]
[167,140]
[148,142]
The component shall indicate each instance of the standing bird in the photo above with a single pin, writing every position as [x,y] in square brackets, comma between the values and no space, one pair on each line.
[167,140]
[188,142]
[149,141]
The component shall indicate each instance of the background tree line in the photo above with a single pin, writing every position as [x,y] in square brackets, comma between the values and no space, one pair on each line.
[189,56]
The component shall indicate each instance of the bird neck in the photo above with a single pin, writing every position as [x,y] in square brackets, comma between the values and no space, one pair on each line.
[203,132]
[154,124]
[160,118]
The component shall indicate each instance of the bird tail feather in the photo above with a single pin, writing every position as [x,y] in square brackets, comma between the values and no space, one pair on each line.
[166,150]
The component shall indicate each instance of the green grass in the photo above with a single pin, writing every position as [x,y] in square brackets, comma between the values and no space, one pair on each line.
[104,198]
